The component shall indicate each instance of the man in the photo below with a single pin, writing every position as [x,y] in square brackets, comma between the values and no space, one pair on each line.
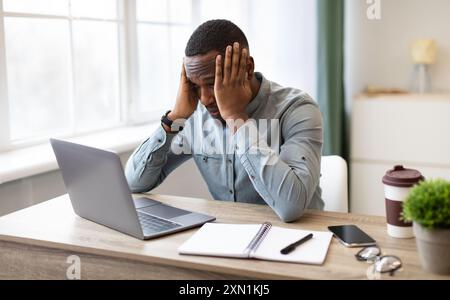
[220,119]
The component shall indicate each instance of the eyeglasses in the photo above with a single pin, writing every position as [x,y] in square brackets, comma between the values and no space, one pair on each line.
[382,263]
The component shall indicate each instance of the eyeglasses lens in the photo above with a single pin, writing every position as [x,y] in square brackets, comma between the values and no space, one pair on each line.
[387,264]
[369,253]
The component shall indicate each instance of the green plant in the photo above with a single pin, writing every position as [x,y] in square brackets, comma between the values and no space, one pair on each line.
[428,204]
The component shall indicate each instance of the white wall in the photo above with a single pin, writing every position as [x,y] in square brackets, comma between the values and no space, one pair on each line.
[282,37]
[281,34]
[378,51]
[28,191]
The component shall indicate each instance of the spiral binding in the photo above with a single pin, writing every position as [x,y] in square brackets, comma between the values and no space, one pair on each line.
[259,237]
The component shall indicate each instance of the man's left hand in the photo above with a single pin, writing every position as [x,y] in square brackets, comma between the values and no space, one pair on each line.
[232,85]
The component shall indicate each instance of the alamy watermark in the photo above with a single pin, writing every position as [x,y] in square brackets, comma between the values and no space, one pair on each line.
[253,137]
[74,270]
[371,271]
[373,10]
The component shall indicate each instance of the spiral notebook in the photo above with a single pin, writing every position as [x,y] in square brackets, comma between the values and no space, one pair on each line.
[257,241]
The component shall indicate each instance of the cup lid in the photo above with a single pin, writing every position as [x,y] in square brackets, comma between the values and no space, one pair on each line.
[399,176]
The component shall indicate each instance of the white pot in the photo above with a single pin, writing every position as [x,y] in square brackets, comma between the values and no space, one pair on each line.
[434,249]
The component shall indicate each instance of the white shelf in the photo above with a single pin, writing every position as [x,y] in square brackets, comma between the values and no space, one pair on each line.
[412,130]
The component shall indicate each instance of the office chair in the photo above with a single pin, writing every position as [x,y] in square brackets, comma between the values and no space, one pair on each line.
[333,182]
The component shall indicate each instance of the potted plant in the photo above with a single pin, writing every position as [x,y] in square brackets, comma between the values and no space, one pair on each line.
[428,207]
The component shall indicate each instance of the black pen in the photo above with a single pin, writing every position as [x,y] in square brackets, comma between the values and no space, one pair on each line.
[291,247]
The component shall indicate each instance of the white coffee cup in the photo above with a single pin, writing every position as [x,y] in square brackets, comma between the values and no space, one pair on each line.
[397,185]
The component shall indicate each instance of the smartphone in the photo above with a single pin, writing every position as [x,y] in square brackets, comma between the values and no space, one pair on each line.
[352,236]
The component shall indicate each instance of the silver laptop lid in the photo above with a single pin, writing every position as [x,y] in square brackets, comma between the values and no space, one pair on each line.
[97,186]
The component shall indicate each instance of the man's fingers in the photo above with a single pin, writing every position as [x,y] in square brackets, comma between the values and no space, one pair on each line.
[183,71]
[243,66]
[235,62]
[218,79]
[227,65]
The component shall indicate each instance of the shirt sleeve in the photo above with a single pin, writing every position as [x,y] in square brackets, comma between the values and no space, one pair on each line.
[154,159]
[285,179]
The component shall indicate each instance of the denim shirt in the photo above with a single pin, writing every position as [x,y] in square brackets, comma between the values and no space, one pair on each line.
[273,159]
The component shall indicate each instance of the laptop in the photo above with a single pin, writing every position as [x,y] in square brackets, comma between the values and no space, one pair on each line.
[99,192]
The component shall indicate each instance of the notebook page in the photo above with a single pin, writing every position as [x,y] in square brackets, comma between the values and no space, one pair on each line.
[215,239]
[313,251]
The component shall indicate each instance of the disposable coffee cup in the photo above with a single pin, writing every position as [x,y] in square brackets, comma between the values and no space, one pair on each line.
[397,185]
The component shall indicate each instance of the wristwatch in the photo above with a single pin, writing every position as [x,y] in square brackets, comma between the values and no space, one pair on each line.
[165,119]
[168,122]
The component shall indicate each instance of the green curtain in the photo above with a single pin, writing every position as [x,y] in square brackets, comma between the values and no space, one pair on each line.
[330,72]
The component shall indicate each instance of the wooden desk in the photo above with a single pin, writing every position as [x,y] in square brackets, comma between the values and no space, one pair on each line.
[36,242]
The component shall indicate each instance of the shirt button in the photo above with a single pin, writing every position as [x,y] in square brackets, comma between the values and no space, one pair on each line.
[230,161]
[252,177]
[231,192]
[159,140]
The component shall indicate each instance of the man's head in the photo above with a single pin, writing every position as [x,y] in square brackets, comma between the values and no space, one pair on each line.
[209,40]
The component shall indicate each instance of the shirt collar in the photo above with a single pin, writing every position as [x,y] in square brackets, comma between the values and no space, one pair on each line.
[260,96]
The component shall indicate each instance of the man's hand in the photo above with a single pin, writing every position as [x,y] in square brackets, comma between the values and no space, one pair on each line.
[187,99]
[232,86]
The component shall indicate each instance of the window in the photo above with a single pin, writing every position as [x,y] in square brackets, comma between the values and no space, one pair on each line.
[70,67]
[281,35]
[73,67]
[163,29]
[62,66]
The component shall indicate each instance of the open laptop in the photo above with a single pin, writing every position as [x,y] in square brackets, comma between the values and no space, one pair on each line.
[99,192]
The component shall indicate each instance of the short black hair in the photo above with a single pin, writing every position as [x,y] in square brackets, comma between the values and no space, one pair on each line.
[215,35]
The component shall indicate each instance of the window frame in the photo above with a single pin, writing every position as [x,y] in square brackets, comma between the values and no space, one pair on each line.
[137,116]
[4,103]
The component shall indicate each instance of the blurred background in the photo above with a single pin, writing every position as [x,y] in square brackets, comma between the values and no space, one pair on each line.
[102,72]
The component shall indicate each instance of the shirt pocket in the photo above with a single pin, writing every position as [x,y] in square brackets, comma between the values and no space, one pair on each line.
[212,168]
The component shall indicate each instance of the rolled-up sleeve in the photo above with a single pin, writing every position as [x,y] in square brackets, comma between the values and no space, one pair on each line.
[152,161]
[285,179]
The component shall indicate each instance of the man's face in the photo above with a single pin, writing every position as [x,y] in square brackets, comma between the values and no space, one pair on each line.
[200,70]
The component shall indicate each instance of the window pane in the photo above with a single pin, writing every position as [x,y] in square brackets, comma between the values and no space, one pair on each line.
[179,36]
[37,69]
[180,11]
[152,10]
[94,8]
[96,74]
[50,7]
[154,68]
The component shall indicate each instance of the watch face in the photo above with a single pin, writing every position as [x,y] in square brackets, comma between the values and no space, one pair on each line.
[174,126]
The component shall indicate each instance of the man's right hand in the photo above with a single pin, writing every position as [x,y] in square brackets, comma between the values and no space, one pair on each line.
[187,99]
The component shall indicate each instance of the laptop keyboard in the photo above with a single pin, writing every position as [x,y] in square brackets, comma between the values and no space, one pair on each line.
[152,224]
